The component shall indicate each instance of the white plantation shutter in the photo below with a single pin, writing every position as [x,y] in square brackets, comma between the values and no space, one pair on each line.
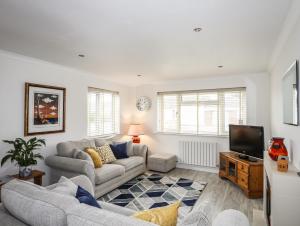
[207,112]
[103,112]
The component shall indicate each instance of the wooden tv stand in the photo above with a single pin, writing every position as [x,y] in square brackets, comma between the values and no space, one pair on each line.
[245,174]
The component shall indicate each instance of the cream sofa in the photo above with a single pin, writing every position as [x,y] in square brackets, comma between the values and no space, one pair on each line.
[24,203]
[71,161]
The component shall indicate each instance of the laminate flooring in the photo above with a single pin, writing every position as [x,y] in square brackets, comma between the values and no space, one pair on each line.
[221,194]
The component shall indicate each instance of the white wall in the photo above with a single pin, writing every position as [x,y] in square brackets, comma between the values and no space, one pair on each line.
[289,53]
[258,105]
[15,70]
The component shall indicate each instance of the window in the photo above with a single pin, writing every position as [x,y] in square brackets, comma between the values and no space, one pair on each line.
[207,112]
[103,112]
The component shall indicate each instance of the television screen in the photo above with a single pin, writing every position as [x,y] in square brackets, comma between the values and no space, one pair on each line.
[247,140]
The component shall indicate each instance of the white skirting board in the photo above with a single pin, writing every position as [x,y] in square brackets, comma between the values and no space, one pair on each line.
[198,168]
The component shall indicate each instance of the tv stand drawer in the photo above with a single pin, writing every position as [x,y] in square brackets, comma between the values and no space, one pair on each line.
[243,168]
[243,180]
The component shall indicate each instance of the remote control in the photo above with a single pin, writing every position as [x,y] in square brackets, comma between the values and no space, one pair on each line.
[298,174]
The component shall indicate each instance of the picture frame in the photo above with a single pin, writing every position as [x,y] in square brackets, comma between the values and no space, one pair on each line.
[44,110]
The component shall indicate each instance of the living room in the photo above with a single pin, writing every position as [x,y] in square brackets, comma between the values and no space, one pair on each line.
[169,76]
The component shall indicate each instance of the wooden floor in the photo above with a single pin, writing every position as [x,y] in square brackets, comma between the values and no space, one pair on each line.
[220,193]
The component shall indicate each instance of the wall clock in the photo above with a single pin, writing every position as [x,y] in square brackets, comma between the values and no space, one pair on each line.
[143,103]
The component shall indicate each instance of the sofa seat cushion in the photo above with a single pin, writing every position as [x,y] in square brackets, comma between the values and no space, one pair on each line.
[130,162]
[108,172]
[35,205]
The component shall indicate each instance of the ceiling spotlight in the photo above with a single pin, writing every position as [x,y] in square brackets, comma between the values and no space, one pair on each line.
[139,75]
[197,29]
[81,55]
[220,66]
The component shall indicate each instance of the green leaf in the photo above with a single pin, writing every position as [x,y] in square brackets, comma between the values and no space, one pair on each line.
[5,158]
[8,141]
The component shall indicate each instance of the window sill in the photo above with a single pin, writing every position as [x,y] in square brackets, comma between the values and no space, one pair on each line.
[192,135]
[106,136]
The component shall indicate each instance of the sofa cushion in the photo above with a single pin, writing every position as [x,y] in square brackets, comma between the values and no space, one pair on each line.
[35,205]
[91,216]
[106,153]
[130,162]
[97,160]
[79,154]
[119,150]
[65,186]
[108,172]
[66,149]
[163,216]
[129,146]
[85,197]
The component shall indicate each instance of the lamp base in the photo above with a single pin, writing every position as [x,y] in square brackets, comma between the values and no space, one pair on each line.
[136,139]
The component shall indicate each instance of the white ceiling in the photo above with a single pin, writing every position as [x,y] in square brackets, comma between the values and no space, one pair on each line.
[154,38]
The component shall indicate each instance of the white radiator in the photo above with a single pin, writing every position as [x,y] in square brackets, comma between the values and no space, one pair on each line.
[198,153]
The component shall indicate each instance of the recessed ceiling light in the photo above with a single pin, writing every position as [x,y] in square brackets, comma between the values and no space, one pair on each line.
[139,75]
[197,29]
[81,55]
[220,66]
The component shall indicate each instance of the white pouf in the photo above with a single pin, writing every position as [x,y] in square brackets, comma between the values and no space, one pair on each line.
[231,217]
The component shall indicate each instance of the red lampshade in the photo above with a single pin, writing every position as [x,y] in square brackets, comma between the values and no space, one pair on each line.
[135,130]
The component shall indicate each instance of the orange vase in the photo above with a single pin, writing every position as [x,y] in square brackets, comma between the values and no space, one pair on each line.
[277,148]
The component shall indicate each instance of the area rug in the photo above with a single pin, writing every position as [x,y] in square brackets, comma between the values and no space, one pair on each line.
[155,190]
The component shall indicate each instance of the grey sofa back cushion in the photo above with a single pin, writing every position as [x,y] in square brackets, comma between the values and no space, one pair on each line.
[66,149]
[35,205]
[100,142]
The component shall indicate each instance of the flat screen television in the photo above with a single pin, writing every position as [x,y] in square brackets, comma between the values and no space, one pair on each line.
[247,140]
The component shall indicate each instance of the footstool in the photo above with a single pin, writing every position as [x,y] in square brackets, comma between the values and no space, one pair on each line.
[162,162]
[231,217]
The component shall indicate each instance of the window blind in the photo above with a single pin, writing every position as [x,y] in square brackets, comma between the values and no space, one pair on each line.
[103,112]
[207,112]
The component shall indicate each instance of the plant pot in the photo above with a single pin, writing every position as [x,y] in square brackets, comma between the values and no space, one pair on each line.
[25,171]
[277,148]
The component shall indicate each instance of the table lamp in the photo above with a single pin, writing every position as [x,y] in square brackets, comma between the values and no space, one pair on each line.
[135,130]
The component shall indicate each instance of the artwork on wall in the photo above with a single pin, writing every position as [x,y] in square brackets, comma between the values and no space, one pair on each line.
[44,109]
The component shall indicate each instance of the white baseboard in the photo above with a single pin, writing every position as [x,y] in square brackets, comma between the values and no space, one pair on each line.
[198,168]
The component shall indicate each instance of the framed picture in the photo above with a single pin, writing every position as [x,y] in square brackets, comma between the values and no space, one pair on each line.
[44,109]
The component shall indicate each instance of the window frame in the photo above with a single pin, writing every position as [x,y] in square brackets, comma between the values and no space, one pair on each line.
[115,109]
[220,103]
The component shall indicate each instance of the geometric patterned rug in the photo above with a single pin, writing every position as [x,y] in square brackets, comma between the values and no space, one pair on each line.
[155,190]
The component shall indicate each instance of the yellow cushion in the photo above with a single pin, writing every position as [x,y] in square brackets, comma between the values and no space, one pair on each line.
[106,153]
[94,156]
[163,216]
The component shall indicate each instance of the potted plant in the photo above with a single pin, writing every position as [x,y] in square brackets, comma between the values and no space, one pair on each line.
[23,154]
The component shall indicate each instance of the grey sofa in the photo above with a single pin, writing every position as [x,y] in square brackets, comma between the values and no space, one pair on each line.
[25,203]
[71,161]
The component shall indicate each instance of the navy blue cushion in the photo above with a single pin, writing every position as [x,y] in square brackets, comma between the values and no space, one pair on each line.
[85,197]
[119,150]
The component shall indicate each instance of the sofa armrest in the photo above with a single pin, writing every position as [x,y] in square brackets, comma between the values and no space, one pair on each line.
[140,150]
[72,165]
